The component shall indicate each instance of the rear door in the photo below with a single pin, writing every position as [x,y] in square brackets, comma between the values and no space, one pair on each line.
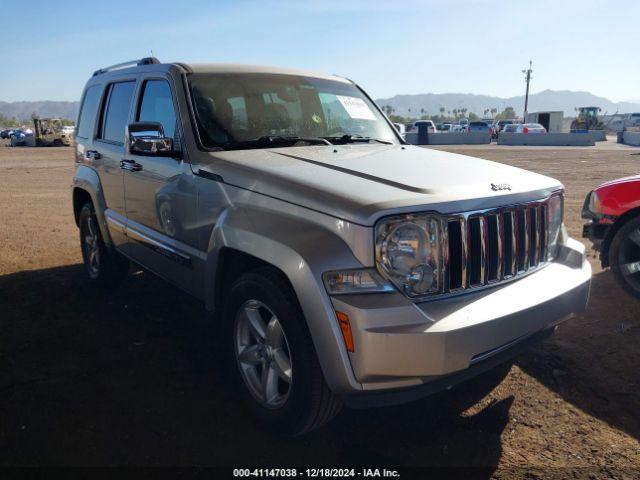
[161,194]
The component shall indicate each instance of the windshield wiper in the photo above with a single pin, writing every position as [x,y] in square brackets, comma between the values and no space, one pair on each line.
[349,138]
[267,140]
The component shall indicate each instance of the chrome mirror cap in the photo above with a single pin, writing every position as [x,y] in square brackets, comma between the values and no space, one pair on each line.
[147,138]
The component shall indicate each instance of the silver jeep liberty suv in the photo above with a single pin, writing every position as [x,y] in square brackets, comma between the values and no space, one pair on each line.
[342,265]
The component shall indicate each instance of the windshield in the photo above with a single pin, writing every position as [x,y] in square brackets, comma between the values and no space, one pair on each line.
[234,110]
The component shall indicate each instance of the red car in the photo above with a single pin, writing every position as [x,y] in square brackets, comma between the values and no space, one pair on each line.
[613,209]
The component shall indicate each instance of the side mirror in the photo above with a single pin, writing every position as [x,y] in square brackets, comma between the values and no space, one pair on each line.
[147,138]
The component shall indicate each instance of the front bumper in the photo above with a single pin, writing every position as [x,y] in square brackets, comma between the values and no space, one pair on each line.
[596,233]
[399,344]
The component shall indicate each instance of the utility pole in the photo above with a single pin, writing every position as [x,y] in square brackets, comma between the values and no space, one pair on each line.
[526,97]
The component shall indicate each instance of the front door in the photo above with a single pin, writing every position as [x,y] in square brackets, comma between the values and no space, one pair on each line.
[161,196]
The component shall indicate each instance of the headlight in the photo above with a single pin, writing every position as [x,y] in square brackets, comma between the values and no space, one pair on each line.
[408,253]
[592,207]
[554,220]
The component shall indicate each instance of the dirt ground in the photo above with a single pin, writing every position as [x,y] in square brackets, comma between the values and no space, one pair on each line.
[89,378]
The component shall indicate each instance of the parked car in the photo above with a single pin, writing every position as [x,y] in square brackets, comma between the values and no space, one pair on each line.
[446,127]
[20,137]
[431,127]
[530,128]
[634,119]
[316,244]
[457,128]
[500,125]
[6,133]
[613,211]
[478,127]
[510,128]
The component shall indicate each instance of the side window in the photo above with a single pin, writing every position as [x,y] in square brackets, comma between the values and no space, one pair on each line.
[116,112]
[157,106]
[88,112]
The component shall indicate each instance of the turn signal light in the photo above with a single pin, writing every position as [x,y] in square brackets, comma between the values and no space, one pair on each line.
[345,328]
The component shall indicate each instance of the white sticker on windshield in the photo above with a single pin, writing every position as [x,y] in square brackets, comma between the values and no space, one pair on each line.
[356,108]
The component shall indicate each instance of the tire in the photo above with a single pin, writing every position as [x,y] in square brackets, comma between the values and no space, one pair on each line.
[624,256]
[103,265]
[298,399]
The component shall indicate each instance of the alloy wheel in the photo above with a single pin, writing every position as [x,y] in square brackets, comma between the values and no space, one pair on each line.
[263,354]
[92,248]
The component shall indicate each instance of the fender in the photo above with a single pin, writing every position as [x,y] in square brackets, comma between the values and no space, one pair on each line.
[87,179]
[303,251]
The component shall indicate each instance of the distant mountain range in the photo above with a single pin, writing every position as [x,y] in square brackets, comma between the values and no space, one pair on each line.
[431,103]
[45,108]
[560,100]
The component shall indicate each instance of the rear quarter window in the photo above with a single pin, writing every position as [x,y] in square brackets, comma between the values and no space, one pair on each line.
[88,111]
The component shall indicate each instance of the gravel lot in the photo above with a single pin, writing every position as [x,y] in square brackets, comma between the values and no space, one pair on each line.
[89,378]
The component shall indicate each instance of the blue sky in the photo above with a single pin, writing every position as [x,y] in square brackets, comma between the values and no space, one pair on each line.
[467,46]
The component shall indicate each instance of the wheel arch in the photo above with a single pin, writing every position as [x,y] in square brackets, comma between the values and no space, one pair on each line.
[248,238]
[613,230]
[86,186]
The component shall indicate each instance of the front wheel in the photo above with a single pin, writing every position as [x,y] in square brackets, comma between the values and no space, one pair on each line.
[624,256]
[272,357]
[103,266]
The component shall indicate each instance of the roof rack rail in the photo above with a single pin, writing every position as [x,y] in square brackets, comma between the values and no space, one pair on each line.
[132,63]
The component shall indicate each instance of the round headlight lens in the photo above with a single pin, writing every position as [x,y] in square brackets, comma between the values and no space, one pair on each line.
[409,254]
[403,246]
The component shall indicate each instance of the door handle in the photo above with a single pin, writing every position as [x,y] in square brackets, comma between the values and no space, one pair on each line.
[92,154]
[130,165]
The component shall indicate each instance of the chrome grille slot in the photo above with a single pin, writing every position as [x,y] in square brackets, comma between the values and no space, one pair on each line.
[542,218]
[533,237]
[509,255]
[455,266]
[522,242]
[495,245]
[476,250]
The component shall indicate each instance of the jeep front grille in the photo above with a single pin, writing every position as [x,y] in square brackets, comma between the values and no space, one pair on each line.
[495,245]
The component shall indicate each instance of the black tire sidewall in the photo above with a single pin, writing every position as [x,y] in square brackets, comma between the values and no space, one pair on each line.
[305,369]
[614,253]
[113,267]
[86,213]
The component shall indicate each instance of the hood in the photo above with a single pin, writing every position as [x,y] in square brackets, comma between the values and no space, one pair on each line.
[361,183]
[632,179]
